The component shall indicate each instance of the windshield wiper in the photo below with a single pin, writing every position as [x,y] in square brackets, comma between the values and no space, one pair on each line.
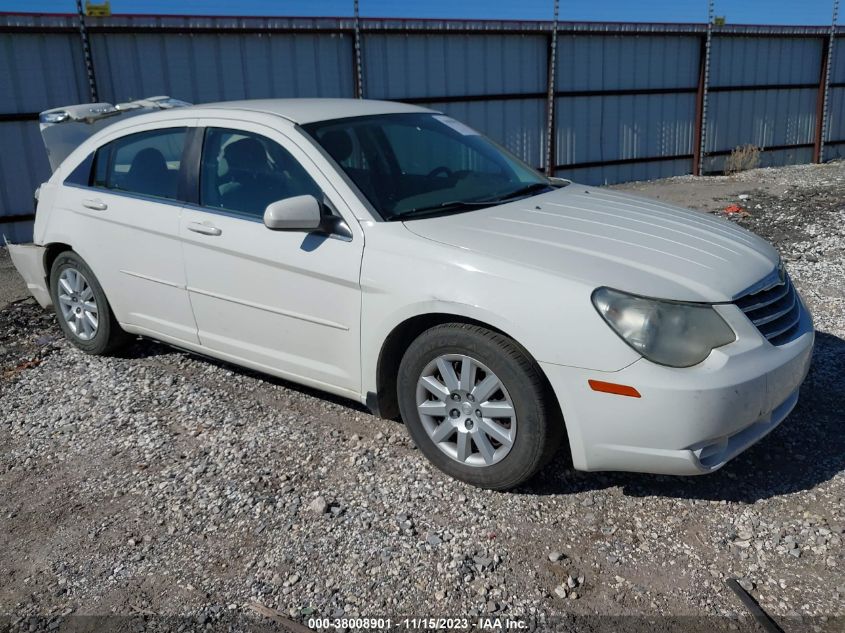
[465,205]
[445,207]
[534,187]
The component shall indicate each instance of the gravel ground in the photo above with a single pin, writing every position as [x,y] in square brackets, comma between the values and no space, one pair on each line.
[158,484]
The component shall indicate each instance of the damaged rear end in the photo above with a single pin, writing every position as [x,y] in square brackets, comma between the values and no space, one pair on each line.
[66,128]
[28,260]
[63,130]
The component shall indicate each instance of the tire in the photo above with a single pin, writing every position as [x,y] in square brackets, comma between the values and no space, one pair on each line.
[529,428]
[82,309]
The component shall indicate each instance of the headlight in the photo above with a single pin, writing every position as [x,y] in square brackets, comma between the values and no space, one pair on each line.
[665,332]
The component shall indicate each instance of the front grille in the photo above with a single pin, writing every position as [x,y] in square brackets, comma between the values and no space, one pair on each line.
[774,310]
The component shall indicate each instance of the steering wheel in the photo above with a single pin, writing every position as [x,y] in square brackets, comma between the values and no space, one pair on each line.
[440,170]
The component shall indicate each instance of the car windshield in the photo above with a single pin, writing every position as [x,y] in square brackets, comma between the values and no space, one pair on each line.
[422,164]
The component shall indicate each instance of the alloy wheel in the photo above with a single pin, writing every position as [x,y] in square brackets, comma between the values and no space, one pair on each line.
[78,304]
[466,410]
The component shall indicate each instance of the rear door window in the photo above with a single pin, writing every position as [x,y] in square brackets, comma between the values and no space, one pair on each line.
[146,163]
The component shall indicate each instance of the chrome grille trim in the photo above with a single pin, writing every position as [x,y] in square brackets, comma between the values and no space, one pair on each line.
[775,316]
[785,328]
[775,310]
[770,295]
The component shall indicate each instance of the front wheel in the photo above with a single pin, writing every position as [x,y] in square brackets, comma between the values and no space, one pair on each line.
[81,306]
[476,405]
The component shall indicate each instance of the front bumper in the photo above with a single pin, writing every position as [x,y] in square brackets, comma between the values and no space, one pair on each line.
[28,259]
[691,420]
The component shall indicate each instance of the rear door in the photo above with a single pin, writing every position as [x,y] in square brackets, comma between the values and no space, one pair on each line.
[126,206]
[287,302]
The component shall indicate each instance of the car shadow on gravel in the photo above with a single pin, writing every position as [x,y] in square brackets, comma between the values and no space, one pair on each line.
[149,348]
[806,450]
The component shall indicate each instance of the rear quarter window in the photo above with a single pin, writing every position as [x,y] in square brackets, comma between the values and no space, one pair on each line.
[81,175]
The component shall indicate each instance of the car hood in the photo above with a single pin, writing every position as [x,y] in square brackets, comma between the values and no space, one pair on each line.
[606,238]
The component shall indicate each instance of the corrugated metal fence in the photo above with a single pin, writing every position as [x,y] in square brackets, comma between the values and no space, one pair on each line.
[627,97]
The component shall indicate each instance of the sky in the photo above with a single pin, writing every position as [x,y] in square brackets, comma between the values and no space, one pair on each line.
[815,12]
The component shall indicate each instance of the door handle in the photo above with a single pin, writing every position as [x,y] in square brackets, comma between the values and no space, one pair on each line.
[95,203]
[205,229]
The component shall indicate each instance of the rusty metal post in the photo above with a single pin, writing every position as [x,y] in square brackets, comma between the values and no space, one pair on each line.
[699,109]
[701,103]
[359,72]
[86,53]
[550,96]
[821,102]
[823,97]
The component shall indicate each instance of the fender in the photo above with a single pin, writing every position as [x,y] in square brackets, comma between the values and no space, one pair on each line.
[373,338]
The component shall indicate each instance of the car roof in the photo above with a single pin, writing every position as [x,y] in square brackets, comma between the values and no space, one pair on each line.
[297,111]
[304,111]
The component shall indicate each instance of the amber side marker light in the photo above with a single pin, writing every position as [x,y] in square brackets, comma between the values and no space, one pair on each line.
[612,387]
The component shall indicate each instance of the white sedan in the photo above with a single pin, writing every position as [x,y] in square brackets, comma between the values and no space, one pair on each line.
[393,255]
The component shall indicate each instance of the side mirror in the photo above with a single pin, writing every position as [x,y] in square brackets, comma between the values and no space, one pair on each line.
[300,213]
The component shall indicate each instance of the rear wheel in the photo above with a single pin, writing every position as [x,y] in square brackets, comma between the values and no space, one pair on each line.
[81,306]
[476,406]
